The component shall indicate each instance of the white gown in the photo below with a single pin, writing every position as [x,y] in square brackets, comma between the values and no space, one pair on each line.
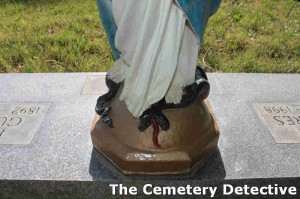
[159,52]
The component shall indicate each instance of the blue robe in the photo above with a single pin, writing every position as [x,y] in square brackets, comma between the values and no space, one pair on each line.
[197,12]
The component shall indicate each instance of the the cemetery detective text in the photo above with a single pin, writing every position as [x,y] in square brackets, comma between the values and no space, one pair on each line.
[225,189]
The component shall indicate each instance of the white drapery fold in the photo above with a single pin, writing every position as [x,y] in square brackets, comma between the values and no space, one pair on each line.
[158,52]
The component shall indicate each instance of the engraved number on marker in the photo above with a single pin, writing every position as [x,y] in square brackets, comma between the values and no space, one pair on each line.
[3,121]
[282,109]
[14,121]
[20,110]
[1,132]
[282,120]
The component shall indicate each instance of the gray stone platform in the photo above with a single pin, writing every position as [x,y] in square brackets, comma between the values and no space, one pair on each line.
[61,149]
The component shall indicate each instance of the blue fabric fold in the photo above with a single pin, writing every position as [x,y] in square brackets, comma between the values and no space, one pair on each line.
[197,12]
[108,22]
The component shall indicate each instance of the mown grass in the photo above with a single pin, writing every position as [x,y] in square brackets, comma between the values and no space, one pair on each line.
[254,36]
[67,36]
[52,36]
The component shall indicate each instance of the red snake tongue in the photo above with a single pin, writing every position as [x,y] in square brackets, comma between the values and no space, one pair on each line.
[155,133]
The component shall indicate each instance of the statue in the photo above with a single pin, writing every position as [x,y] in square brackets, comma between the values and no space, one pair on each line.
[155,118]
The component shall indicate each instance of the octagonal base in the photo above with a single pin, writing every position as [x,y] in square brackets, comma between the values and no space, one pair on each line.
[192,137]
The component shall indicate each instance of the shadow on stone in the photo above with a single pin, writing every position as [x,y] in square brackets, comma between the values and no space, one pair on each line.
[210,169]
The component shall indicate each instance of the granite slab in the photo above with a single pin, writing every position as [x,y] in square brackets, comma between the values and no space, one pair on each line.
[61,149]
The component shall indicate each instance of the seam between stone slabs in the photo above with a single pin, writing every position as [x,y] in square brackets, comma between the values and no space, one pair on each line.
[41,123]
[86,79]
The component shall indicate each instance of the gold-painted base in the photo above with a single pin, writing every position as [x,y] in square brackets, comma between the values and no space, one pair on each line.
[193,135]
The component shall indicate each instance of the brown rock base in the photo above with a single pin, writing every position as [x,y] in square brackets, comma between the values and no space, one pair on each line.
[193,136]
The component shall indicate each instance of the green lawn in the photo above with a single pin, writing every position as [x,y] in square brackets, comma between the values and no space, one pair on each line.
[67,36]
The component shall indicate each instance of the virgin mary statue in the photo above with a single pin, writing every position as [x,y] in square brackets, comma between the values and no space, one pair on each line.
[155,44]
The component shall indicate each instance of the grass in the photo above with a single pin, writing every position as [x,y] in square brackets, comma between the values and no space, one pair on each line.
[254,36]
[67,36]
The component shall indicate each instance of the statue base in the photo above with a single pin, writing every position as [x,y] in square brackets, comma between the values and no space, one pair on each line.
[193,136]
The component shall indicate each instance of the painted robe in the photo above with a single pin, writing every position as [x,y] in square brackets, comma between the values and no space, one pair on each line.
[155,44]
